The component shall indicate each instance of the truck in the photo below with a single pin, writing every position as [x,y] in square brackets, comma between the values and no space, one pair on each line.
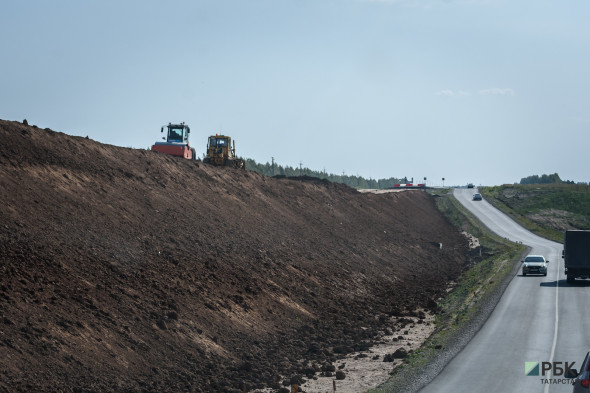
[576,254]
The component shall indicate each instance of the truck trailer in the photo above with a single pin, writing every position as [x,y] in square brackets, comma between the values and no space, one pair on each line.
[576,254]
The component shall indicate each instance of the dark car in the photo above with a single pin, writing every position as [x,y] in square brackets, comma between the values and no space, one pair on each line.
[477,197]
[470,185]
[581,380]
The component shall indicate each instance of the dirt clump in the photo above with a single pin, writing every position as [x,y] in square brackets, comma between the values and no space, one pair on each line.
[128,270]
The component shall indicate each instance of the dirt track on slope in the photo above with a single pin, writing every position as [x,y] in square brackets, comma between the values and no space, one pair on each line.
[128,270]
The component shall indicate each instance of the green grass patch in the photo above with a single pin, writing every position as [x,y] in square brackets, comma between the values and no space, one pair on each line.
[439,191]
[545,209]
[482,278]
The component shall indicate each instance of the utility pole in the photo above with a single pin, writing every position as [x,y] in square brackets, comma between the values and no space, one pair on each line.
[443,182]
[273,165]
[300,169]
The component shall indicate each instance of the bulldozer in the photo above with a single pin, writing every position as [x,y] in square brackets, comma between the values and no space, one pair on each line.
[176,142]
[221,151]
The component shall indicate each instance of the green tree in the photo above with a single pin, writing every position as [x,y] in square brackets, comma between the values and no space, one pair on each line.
[353,181]
[543,179]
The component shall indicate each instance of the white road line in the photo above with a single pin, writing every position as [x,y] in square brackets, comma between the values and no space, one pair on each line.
[546,390]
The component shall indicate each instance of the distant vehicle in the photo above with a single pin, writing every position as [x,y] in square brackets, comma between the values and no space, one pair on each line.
[470,185]
[581,382]
[534,264]
[477,197]
[576,255]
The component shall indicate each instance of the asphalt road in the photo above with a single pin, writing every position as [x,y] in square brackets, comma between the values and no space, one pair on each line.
[538,319]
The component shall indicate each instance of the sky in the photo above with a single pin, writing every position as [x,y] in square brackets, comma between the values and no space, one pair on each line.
[481,91]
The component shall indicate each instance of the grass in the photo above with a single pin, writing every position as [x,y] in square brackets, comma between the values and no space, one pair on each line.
[545,209]
[480,281]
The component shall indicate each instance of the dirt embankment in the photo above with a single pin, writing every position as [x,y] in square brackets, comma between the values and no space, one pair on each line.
[127,270]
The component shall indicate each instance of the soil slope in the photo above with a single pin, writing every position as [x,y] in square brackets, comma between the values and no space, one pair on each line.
[129,270]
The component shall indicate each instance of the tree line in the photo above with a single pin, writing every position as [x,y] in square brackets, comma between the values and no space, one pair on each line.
[269,169]
[544,179]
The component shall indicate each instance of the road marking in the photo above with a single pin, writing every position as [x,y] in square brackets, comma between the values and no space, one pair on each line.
[546,390]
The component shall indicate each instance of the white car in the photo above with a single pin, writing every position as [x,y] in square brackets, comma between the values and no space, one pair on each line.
[534,264]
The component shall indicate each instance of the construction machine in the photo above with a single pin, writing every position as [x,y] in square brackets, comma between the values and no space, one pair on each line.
[221,150]
[176,142]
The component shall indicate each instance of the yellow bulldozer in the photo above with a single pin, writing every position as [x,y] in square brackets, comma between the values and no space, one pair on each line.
[221,151]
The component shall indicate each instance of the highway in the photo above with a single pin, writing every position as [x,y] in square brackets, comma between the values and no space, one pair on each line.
[540,319]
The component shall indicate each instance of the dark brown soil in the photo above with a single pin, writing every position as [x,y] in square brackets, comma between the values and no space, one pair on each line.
[128,270]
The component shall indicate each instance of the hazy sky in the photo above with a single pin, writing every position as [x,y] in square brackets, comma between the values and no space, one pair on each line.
[483,91]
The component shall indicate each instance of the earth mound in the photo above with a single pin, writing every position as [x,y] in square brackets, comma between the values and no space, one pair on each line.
[128,270]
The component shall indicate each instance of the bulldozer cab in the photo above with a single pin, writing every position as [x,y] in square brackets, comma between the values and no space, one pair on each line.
[221,151]
[219,141]
[177,133]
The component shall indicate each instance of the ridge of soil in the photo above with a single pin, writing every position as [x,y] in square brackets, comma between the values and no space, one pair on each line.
[128,270]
